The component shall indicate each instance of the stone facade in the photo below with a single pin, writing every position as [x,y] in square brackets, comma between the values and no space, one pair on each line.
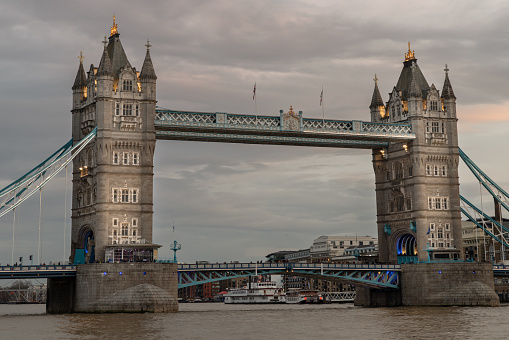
[417,185]
[113,176]
[126,287]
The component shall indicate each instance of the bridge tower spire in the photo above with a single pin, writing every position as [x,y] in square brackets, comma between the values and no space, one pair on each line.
[113,176]
[417,185]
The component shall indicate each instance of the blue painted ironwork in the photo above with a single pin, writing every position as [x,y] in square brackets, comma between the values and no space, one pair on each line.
[374,276]
[235,128]
[37,271]
[17,192]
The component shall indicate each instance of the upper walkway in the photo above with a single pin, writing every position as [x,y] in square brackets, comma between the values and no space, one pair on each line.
[36,271]
[285,129]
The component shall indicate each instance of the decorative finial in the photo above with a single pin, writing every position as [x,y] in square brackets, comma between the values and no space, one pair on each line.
[114,27]
[291,110]
[105,41]
[446,69]
[410,55]
[148,45]
[376,80]
[81,57]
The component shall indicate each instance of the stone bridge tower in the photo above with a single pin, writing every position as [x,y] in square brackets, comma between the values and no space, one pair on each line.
[417,185]
[113,177]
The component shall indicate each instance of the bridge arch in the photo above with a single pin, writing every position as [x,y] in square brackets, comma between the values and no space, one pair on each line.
[86,242]
[406,248]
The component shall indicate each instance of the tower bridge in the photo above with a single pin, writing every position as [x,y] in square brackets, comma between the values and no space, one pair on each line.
[115,121]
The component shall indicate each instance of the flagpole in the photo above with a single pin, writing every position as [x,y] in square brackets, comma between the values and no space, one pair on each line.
[322,104]
[256,107]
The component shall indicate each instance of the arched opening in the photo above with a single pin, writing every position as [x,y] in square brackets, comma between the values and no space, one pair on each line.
[406,247]
[86,253]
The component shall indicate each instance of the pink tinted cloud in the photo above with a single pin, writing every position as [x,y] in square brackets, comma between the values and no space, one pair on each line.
[484,113]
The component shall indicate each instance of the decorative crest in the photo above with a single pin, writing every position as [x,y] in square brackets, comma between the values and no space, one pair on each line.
[81,57]
[113,29]
[148,45]
[410,55]
[291,111]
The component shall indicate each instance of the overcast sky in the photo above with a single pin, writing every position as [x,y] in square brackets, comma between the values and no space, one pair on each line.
[241,202]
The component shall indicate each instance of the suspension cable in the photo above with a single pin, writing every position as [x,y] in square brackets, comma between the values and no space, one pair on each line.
[483,222]
[39,247]
[65,213]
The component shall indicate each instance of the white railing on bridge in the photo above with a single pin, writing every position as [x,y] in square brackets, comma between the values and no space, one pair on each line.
[284,266]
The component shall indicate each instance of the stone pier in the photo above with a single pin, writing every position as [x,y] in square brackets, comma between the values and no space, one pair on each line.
[436,284]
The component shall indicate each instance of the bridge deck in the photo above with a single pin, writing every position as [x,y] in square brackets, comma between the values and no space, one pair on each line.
[36,271]
[235,128]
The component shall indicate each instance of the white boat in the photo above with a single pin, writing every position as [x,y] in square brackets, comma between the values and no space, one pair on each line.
[304,296]
[255,292]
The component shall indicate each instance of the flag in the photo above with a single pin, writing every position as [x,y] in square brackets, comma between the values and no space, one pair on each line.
[429,230]
[254,91]
[321,97]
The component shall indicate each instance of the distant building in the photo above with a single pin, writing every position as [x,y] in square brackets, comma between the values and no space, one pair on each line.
[325,248]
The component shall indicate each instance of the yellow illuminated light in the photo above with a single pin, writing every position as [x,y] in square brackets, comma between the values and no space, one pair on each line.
[114,28]
[405,147]
[410,55]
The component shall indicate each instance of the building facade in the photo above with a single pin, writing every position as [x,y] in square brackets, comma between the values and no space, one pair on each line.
[417,185]
[113,177]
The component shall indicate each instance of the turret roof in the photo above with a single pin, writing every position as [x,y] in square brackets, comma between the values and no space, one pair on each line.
[376,100]
[105,68]
[117,55]
[81,77]
[447,92]
[414,90]
[406,76]
[147,70]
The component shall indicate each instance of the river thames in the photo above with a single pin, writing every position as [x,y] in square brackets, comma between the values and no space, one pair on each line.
[220,321]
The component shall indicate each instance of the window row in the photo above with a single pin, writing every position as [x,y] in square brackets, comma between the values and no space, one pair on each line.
[436,170]
[400,204]
[122,195]
[126,158]
[127,109]
[438,203]
[435,127]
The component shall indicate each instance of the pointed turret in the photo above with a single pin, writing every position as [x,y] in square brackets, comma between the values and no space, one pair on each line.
[376,100]
[105,68]
[448,98]
[147,70]
[377,104]
[447,92]
[81,77]
[116,52]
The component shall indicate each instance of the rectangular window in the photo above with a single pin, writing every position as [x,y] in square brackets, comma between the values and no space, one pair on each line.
[125,196]
[115,195]
[435,128]
[410,171]
[432,226]
[438,204]
[136,158]
[125,158]
[115,222]
[430,203]
[135,222]
[127,110]
[435,172]
[445,202]
[125,229]
[440,233]
[444,170]
[428,170]
[408,203]
[127,85]
[115,157]
[427,127]
[137,110]
[447,226]
[134,196]
[117,109]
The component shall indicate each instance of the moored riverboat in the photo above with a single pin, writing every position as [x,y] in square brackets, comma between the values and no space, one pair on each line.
[255,292]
